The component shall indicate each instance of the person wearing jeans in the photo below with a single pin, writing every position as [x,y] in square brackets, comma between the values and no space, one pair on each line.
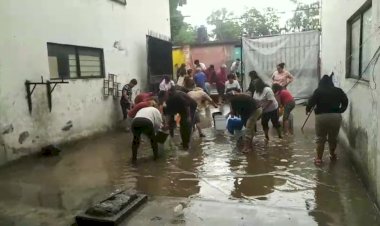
[329,102]
[147,121]
[267,100]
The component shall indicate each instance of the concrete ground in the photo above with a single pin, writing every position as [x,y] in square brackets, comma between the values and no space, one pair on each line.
[277,184]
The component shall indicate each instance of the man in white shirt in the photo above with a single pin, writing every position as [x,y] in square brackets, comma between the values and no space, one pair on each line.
[232,85]
[166,84]
[235,67]
[201,65]
[147,121]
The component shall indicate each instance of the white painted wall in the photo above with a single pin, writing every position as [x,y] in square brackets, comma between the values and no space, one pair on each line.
[26,27]
[361,130]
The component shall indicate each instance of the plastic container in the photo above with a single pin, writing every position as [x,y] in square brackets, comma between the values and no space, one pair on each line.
[161,136]
[233,124]
[219,121]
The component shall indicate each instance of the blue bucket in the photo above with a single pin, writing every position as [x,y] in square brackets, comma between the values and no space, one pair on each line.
[234,123]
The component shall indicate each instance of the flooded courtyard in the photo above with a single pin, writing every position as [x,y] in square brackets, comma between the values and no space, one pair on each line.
[276,184]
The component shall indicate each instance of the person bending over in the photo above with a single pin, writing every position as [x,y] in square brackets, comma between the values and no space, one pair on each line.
[246,108]
[178,102]
[147,121]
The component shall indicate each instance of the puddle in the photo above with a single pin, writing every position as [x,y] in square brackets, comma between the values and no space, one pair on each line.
[278,174]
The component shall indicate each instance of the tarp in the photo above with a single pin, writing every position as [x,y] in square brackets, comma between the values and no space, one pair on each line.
[300,53]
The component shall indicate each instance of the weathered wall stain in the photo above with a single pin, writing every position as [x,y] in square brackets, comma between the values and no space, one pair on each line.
[68,126]
[8,129]
[23,136]
[357,138]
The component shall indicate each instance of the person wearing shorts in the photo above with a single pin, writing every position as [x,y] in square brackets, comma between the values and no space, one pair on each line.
[265,96]
[285,100]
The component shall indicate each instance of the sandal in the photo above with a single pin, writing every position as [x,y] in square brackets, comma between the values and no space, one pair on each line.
[317,161]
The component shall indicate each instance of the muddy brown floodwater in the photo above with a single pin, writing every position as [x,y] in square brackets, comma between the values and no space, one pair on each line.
[278,176]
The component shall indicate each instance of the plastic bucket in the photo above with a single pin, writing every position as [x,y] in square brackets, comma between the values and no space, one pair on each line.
[233,124]
[161,137]
[219,121]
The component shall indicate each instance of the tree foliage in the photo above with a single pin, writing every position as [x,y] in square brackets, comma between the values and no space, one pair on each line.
[186,35]
[226,28]
[181,32]
[305,18]
[176,18]
[256,23]
[252,23]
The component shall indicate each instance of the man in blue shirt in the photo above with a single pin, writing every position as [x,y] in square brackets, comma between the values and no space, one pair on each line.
[200,79]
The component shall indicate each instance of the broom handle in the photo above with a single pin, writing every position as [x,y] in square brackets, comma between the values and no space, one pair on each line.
[308,116]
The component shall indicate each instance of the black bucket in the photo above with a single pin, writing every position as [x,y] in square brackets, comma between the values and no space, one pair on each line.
[161,136]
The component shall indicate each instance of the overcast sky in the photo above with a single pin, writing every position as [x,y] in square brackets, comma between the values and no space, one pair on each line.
[199,10]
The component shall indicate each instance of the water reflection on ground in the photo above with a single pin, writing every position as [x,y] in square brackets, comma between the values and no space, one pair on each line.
[278,174]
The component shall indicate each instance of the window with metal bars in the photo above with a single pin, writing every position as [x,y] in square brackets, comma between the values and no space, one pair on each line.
[359,50]
[75,62]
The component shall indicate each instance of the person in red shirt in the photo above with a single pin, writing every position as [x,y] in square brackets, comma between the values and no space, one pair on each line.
[285,100]
[143,97]
[220,84]
[150,103]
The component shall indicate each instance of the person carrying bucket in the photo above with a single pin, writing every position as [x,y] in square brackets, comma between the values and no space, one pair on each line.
[202,98]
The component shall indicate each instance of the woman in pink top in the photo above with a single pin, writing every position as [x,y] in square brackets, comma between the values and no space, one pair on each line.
[285,100]
[282,76]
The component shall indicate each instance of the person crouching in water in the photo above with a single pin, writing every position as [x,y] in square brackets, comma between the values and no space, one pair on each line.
[147,121]
[330,103]
[246,108]
[232,86]
[285,100]
[265,96]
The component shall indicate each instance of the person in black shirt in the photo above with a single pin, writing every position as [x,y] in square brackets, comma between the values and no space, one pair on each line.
[247,109]
[181,71]
[329,103]
[126,98]
[180,103]
[254,77]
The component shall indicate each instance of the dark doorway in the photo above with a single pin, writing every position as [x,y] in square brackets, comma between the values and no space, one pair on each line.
[160,61]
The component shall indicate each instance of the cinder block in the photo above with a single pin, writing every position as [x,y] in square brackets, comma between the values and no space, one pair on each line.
[85,219]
